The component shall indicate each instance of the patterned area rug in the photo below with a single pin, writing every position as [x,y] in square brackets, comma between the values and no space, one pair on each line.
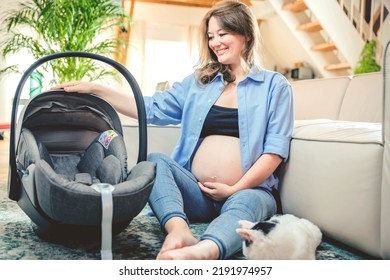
[141,240]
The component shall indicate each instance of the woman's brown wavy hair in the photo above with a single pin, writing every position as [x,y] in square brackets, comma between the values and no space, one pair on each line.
[235,17]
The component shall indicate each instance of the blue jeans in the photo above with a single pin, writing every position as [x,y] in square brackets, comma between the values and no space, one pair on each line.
[176,194]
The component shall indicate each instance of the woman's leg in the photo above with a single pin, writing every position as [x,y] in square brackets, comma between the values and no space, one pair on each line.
[252,204]
[220,241]
[175,199]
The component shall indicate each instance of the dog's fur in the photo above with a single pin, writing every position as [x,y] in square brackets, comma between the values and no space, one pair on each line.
[282,237]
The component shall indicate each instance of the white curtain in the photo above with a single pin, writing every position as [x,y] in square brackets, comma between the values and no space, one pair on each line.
[160,52]
[136,52]
[193,42]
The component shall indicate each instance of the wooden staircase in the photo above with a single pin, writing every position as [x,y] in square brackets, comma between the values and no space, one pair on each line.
[296,6]
[310,27]
[337,66]
[324,47]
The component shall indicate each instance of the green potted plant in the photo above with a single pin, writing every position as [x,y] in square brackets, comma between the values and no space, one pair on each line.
[367,62]
[44,27]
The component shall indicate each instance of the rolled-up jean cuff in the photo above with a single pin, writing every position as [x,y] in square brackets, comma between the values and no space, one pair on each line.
[169,216]
[222,250]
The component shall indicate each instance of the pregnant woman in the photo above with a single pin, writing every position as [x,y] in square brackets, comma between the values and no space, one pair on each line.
[236,124]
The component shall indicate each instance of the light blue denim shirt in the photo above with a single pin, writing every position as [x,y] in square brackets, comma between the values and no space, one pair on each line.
[265,115]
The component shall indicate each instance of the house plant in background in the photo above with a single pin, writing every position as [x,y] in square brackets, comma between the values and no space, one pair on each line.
[43,27]
[367,62]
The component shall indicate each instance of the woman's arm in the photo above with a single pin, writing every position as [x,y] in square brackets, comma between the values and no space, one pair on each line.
[124,103]
[264,167]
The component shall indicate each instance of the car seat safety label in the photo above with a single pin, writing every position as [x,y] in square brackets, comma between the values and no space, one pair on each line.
[106,138]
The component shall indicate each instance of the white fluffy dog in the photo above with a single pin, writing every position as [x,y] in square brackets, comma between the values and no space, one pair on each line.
[282,237]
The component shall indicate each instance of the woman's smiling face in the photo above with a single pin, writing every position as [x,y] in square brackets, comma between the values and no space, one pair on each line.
[227,46]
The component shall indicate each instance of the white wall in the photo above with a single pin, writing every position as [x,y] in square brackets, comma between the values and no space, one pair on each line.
[9,82]
[4,97]
[281,47]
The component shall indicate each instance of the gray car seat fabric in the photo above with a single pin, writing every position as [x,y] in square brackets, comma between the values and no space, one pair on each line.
[63,182]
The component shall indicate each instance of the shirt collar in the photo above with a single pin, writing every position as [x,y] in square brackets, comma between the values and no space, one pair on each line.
[254,74]
[218,76]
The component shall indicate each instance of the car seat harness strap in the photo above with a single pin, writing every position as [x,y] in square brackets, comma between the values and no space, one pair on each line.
[107,213]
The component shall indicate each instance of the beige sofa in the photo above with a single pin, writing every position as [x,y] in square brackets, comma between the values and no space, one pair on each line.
[338,173]
[334,176]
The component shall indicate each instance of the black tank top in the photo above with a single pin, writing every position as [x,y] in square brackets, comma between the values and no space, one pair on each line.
[221,121]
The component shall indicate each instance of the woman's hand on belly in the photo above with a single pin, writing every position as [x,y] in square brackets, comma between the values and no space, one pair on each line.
[216,191]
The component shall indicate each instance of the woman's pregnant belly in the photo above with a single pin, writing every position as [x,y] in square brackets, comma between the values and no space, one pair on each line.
[218,160]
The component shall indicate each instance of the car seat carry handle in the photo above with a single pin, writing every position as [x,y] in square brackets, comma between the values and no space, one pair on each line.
[142,149]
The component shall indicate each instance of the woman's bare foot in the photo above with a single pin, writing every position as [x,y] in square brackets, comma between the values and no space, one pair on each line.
[176,240]
[179,236]
[203,250]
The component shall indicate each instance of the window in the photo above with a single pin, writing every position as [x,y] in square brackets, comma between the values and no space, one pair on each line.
[166,61]
[161,53]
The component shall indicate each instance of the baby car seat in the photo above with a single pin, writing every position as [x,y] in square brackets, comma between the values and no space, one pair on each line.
[64,145]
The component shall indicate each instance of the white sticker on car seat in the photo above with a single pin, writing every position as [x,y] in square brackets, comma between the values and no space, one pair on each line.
[106,138]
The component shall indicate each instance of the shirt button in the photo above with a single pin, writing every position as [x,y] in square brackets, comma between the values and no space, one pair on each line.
[209,100]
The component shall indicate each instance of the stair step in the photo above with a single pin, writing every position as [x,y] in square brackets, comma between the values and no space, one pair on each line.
[297,6]
[310,27]
[338,66]
[324,47]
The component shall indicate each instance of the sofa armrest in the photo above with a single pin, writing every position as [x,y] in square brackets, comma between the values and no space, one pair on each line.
[385,196]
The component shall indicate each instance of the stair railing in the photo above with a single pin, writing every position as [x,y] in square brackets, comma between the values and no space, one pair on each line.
[367,16]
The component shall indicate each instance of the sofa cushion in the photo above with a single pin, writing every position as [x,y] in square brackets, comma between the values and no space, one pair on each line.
[319,98]
[363,99]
